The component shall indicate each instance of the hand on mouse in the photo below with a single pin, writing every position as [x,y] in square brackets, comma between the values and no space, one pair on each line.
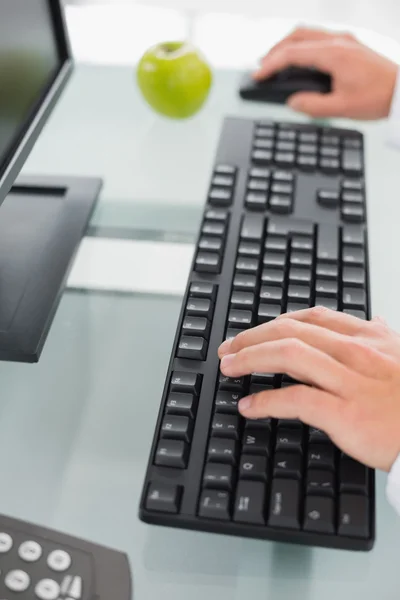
[363,81]
[352,371]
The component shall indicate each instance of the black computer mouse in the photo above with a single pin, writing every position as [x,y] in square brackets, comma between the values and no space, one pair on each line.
[282,85]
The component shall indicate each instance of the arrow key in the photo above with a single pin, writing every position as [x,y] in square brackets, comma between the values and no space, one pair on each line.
[253,467]
[319,515]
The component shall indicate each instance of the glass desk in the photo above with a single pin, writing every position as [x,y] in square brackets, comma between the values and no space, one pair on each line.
[75,430]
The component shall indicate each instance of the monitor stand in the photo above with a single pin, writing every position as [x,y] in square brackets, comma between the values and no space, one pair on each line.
[42,221]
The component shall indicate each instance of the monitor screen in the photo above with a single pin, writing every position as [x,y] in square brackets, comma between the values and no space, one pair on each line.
[30,60]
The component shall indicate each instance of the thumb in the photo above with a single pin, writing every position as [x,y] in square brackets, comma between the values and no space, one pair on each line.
[316,104]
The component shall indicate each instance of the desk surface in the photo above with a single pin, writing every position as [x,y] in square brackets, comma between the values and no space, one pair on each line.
[75,430]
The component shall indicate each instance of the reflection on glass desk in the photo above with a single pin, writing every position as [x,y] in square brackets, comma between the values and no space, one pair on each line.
[75,430]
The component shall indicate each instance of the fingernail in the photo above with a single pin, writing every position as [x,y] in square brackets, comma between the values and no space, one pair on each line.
[245,403]
[227,361]
[224,347]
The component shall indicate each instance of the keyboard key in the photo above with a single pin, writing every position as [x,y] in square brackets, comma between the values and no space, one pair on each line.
[320,483]
[280,204]
[227,402]
[299,293]
[272,276]
[199,307]
[213,228]
[258,185]
[286,135]
[198,326]
[353,214]
[327,271]
[218,476]
[182,404]
[353,256]
[353,197]
[329,152]
[222,451]
[283,176]
[216,214]
[267,379]
[328,198]
[252,228]
[353,185]
[353,235]
[253,467]
[243,318]
[231,333]
[244,282]
[232,384]
[182,381]
[220,196]
[300,275]
[301,259]
[307,162]
[330,140]
[352,143]
[285,146]
[163,497]
[212,244]
[250,502]
[329,165]
[271,294]
[223,181]
[354,298]
[284,158]
[308,137]
[259,423]
[215,505]
[225,169]
[172,453]
[327,288]
[319,515]
[295,307]
[352,162]
[267,312]
[177,428]
[274,259]
[276,244]
[265,132]
[256,440]
[226,426]
[247,265]
[262,156]
[353,516]
[354,477]
[263,144]
[289,440]
[256,201]
[330,303]
[328,243]
[251,249]
[281,187]
[317,436]
[359,314]
[260,173]
[354,276]
[201,289]
[307,149]
[321,456]
[243,300]
[288,464]
[284,504]
[208,262]
[301,242]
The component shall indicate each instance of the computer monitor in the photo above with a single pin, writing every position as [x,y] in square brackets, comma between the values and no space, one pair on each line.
[35,63]
[42,219]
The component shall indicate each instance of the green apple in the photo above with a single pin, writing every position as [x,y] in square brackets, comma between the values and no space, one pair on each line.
[174,79]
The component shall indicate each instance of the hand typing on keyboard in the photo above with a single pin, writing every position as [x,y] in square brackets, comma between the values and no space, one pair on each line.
[363,81]
[352,371]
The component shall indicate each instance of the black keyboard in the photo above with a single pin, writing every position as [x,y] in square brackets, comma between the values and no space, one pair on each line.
[284,228]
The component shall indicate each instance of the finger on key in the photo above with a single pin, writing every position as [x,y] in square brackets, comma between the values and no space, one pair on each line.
[329,319]
[311,406]
[355,354]
[298,360]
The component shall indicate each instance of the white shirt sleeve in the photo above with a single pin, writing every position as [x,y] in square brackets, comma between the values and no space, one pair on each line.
[393,485]
[394,116]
